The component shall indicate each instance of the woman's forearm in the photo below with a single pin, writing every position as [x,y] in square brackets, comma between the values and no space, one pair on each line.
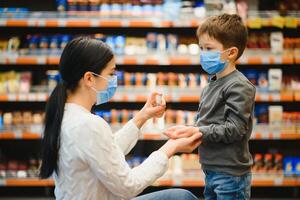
[140,119]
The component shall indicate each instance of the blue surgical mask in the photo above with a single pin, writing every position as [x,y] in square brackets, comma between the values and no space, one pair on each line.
[211,61]
[104,96]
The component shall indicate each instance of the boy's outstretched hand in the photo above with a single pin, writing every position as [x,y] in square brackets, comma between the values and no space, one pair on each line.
[182,131]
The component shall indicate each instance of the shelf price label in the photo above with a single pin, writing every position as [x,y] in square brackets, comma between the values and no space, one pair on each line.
[2,22]
[278,21]
[2,182]
[278,181]
[291,22]
[18,134]
[255,23]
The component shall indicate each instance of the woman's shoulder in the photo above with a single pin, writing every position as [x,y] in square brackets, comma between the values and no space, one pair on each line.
[89,120]
[84,121]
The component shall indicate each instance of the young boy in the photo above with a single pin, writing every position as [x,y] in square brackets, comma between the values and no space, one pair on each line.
[225,112]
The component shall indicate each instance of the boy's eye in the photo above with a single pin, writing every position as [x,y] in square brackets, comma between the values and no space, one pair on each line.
[201,48]
[208,48]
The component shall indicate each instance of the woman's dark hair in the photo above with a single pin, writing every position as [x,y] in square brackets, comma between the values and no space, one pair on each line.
[80,55]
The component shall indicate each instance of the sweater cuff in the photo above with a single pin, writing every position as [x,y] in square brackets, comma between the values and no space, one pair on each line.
[205,132]
[160,158]
[130,125]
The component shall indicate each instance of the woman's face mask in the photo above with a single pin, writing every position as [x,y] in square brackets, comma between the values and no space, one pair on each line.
[104,96]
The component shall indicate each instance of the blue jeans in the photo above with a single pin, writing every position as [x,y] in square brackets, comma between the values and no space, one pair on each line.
[170,194]
[221,186]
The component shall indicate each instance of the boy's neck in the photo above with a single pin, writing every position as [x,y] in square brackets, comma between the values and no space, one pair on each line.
[230,68]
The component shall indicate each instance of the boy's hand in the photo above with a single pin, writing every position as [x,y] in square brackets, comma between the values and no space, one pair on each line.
[182,131]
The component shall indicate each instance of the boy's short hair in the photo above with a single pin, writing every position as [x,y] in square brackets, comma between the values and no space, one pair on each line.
[228,29]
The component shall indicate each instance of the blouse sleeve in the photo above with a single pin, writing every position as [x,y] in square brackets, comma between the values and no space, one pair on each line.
[127,137]
[107,161]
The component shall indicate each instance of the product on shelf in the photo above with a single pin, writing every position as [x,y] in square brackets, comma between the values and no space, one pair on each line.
[121,45]
[13,12]
[178,164]
[20,83]
[275,116]
[113,8]
[155,44]
[15,82]
[258,40]
[273,119]
[291,166]
[275,79]
[275,165]
[267,164]
[22,122]
[46,44]
[258,163]
[19,169]
[10,45]
[272,81]
[160,79]
[54,79]
[117,118]
[277,42]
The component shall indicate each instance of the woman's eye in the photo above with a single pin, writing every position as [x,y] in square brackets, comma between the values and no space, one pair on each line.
[208,49]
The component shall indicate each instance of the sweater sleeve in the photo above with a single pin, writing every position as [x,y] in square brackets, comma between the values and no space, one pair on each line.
[127,137]
[107,162]
[239,104]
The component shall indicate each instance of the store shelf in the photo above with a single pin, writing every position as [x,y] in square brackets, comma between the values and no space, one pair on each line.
[151,60]
[154,136]
[99,21]
[277,182]
[29,97]
[255,136]
[87,23]
[34,182]
[23,136]
[275,136]
[122,97]
[275,97]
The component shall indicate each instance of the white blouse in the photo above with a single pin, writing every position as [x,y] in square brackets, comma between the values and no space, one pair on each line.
[92,161]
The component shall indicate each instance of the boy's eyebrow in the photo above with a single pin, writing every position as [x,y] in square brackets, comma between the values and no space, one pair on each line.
[206,44]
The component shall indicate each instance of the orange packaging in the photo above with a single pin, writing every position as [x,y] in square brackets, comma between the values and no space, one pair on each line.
[125,116]
[139,79]
[172,79]
[114,116]
[180,117]
[182,82]
[169,118]
[127,77]
[193,81]
[160,78]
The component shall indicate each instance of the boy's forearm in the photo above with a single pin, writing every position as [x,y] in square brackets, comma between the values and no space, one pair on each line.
[226,133]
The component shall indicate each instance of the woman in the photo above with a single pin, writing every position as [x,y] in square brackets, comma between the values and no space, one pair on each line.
[79,148]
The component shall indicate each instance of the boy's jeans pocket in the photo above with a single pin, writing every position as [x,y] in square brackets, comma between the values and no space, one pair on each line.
[221,186]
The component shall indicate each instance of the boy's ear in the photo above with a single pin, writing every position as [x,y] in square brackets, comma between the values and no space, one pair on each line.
[233,53]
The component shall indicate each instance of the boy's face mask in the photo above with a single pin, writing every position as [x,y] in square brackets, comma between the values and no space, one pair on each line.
[211,61]
[104,96]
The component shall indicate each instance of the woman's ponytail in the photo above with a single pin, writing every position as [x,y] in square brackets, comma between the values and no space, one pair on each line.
[51,139]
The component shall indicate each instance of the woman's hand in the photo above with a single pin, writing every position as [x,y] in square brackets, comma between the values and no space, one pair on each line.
[184,145]
[181,131]
[150,110]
